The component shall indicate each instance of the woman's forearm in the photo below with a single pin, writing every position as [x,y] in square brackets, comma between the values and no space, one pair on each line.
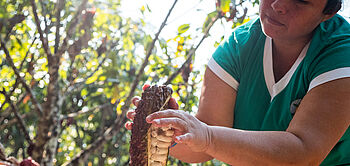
[240,147]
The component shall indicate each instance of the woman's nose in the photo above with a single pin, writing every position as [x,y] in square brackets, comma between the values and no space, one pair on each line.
[279,6]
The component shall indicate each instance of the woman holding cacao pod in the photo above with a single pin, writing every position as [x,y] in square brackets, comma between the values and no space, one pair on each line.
[276,92]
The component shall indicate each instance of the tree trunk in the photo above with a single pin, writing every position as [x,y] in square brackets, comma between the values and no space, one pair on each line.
[49,125]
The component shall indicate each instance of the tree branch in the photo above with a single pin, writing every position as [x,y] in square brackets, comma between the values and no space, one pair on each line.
[27,53]
[22,81]
[60,6]
[13,22]
[81,112]
[117,124]
[44,13]
[77,87]
[13,121]
[75,48]
[42,38]
[192,51]
[6,112]
[21,123]
[71,29]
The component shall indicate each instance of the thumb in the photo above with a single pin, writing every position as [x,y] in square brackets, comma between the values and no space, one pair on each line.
[173,104]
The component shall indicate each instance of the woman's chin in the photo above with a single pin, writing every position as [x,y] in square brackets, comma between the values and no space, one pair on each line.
[270,33]
[272,30]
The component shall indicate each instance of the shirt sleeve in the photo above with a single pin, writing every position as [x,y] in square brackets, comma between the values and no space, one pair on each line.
[332,63]
[225,62]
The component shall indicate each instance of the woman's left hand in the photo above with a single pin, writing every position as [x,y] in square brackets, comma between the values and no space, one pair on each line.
[188,129]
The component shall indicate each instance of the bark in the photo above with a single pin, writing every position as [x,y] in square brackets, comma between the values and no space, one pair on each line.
[49,124]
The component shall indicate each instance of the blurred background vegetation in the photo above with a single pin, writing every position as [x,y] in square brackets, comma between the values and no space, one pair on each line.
[68,70]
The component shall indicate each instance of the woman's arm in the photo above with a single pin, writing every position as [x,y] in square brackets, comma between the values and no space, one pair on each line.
[320,121]
[216,107]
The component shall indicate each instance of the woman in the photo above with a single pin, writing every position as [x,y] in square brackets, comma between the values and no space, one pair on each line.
[275,93]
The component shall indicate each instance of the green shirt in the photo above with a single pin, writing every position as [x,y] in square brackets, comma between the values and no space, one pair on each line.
[244,62]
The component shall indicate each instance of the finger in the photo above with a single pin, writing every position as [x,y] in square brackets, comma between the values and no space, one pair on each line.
[145,86]
[165,114]
[131,114]
[173,104]
[135,100]
[178,124]
[128,125]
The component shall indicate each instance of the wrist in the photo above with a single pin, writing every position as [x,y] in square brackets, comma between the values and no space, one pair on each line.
[210,149]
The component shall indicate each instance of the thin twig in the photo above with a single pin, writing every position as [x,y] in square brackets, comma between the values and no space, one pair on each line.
[192,51]
[16,83]
[71,29]
[13,89]
[42,38]
[7,112]
[13,121]
[12,22]
[60,5]
[21,123]
[81,112]
[91,148]
[27,53]
[28,89]
[44,13]
[78,86]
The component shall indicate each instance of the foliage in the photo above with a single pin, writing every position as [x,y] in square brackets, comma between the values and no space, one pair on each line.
[68,69]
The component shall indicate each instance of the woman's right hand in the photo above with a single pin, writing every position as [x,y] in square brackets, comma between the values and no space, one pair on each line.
[131,114]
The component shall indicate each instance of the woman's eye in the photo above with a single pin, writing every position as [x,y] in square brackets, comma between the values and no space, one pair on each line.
[303,1]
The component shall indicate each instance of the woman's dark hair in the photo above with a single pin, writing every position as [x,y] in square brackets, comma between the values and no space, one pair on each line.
[333,6]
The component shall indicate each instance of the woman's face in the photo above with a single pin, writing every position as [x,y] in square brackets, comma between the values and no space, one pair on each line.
[291,19]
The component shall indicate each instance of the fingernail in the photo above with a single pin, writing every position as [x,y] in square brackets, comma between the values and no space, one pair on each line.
[156,121]
[148,119]
[145,86]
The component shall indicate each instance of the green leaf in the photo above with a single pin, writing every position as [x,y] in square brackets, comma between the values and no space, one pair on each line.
[209,19]
[225,6]
[63,74]
[115,95]
[91,79]
[2,99]
[142,9]
[94,77]
[83,92]
[149,10]
[102,78]
[183,28]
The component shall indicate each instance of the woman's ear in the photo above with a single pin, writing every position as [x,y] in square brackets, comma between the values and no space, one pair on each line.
[328,16]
